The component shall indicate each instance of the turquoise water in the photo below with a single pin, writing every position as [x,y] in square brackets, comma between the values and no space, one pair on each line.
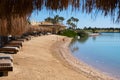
[101,52]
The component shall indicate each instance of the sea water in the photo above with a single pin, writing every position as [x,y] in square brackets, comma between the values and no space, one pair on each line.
[101,52]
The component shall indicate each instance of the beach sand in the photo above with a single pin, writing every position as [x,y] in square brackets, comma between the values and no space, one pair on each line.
[48,58]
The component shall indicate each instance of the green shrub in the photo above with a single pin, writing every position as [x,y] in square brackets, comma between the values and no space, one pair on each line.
[68,33]
[82,33]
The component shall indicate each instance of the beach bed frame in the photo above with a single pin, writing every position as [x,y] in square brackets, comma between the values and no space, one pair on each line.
[12,50]
[26,37]
[6,64]
[16,43]
[13,45]
[23,40]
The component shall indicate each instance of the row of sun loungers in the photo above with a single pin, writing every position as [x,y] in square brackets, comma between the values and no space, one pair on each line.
[13,46]
[6,60]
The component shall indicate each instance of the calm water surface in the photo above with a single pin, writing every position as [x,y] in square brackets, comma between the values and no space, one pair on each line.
[101,52]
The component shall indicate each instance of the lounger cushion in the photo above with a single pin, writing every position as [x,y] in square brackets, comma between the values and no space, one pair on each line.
[12,47]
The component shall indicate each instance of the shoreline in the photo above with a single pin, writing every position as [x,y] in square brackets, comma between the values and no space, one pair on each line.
[48,58]
[66,55]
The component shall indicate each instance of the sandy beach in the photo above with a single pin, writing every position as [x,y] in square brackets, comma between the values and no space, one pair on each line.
[49,58]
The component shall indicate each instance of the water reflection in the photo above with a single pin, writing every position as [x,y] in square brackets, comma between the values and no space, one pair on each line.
[94,38]
[75,47]
[83,39]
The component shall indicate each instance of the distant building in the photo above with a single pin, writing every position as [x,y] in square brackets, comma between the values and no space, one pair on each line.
[55,28]
[34,23]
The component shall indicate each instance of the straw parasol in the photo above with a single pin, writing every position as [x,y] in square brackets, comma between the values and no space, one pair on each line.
[25,7]
[14,12]
[106,7]
[15,26]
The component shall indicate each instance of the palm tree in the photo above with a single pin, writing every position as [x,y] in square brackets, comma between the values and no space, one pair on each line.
[61,19]
[76,21]
[49,19]
[69,22]
[55,20]
[72,22]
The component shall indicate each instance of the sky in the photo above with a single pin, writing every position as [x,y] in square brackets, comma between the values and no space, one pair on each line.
[88,20]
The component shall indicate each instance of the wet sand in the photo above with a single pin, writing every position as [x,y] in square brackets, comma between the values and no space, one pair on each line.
[49,58]
[66,56]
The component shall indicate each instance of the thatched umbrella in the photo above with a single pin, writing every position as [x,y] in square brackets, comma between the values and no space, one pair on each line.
[25,7]
[15,26]
[107,7]
[11,10]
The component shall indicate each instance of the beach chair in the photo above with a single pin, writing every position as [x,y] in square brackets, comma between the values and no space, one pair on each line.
[16,43]
[12,50]
[27,38]
[6,64]
[22,40]
[6,56]
[12,45]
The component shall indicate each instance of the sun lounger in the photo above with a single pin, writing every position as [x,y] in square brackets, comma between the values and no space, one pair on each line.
[20,40]
[12,45]
[9,50]
[27,38]
[12,48]
[16,43]
[5,66]
[6,56]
